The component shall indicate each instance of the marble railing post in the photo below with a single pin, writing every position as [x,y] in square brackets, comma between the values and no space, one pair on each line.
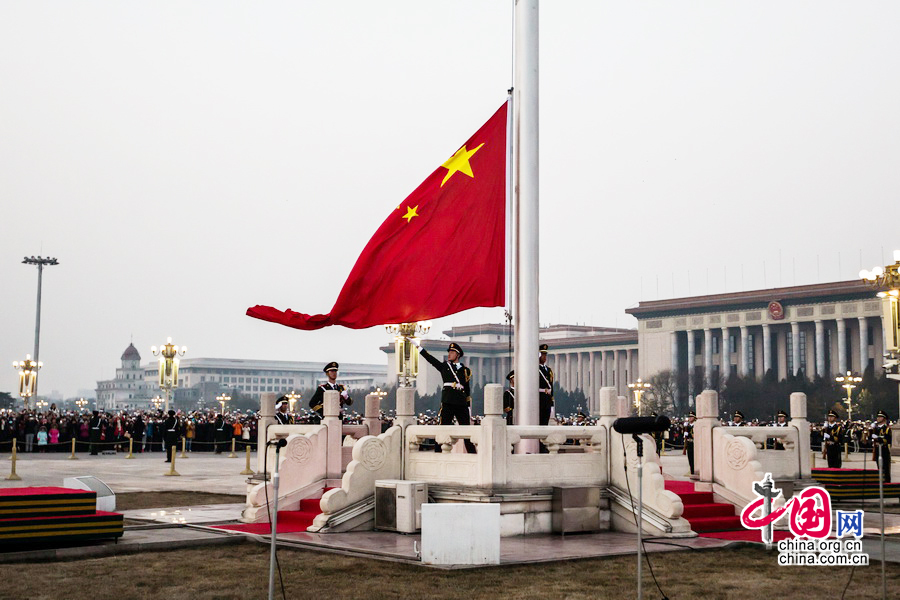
[798,419]
[406,407]
[623,405]
[266,418]
[372,418]
[493,448]
[334,427]
[707,420]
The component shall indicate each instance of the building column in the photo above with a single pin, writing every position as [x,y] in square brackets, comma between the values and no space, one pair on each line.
[691,361]
[795,346]
[745,351]
[629,367]
[863,344]
[674,359]
[767,348]
[820,348]
[615,371]
[579,377]
[726,354]
[707,357]
[595,386]
[842,346]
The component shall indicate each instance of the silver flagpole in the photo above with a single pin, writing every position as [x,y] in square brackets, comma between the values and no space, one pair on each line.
[527,313]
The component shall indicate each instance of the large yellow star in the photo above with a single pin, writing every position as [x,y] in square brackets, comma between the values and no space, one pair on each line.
[459,162]
[410,213]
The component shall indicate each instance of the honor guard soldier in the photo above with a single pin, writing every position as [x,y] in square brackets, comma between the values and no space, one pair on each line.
[545,387]
[780,421]
[170,434]
[281,412]
[509,398]
[317,402]
[220,434]
[657,436]
[689,439]
[737,419]
[455,393]
[95,425]
[881,444]
[832,435]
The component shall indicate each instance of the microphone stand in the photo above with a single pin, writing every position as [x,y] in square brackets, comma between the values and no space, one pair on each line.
[274,521]
[640,520]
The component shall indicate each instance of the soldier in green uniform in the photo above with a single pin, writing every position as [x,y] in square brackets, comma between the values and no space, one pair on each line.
[780,421]
[881,444]
[689,439]
[509,398]
[455,393]
[317,402]
[281,412]
[832,435]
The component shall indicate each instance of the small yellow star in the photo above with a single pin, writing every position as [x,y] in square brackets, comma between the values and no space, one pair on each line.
[410,213]
[459,162]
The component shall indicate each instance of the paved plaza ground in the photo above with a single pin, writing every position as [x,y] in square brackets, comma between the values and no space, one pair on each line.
[159,537]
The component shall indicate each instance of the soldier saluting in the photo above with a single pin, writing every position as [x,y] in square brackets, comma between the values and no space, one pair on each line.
[455,392]
[317,402]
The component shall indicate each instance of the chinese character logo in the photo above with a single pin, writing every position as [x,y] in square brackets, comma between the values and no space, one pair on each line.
[809,512]
[849,522]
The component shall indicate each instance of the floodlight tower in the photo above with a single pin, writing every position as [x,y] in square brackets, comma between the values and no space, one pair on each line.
[40,262]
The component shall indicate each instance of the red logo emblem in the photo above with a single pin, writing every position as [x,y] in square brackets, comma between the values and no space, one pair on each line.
[776,310]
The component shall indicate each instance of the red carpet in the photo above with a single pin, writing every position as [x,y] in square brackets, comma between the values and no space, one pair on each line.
[289,521]
[713,519]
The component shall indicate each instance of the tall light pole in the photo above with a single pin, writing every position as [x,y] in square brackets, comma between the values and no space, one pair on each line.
[638,388]
[407,356]
[887,281]
[40,262]
[848,382]
[223,399]
[292,398]
[168,366]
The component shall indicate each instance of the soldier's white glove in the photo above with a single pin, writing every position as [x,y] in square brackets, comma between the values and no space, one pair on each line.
[416,342]
[345,394]
[826,437]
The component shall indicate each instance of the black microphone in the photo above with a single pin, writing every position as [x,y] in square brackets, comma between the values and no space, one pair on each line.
[641,424]
[279,443]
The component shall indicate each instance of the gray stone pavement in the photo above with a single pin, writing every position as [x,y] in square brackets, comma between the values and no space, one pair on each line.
[201,472]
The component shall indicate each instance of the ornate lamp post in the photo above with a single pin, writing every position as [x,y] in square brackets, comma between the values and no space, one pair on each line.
[223,399]
[168,366]
[27,377]
[638,388]
[292,398]
[405,350]
[81,403]
[156,401]
[887,281]
[848,382]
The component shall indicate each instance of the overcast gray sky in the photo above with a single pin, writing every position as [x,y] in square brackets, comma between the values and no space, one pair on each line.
[186,160]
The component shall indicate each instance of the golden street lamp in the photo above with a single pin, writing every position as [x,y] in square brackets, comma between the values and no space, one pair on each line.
[27,377]
[887,281]
[292,398]
[848,382]
[81,403]
[156,401]
[639,388]
[223,399]
[168,366]
[407,356]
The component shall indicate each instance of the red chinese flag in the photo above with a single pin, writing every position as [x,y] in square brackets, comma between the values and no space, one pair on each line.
[440,252]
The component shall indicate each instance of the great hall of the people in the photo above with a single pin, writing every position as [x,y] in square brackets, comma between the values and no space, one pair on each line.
[824,329]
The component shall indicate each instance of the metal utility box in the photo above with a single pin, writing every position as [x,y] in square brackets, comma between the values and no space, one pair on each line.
[398,505]
[576,509]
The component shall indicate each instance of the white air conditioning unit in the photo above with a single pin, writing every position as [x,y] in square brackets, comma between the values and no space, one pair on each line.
[398,505]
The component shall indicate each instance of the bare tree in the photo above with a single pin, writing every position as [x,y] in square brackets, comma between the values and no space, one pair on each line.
[660,398]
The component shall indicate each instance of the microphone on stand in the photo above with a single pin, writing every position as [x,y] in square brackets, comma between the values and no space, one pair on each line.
[641,424]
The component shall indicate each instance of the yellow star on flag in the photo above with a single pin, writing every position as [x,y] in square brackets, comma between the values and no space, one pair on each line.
[410,213]
[459,162]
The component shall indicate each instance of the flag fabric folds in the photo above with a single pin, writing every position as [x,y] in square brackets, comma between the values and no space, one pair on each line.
[441,251]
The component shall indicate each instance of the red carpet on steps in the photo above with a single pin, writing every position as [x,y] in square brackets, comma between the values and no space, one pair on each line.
[714,519]
[289,521]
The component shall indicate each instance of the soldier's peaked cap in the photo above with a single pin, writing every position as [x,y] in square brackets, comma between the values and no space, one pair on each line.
[881,413]
[692,414]
[544,348]
[171,413]
[332,366]
[455,346]
[511,374]
[737,414]
[781,413]
[833,413]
